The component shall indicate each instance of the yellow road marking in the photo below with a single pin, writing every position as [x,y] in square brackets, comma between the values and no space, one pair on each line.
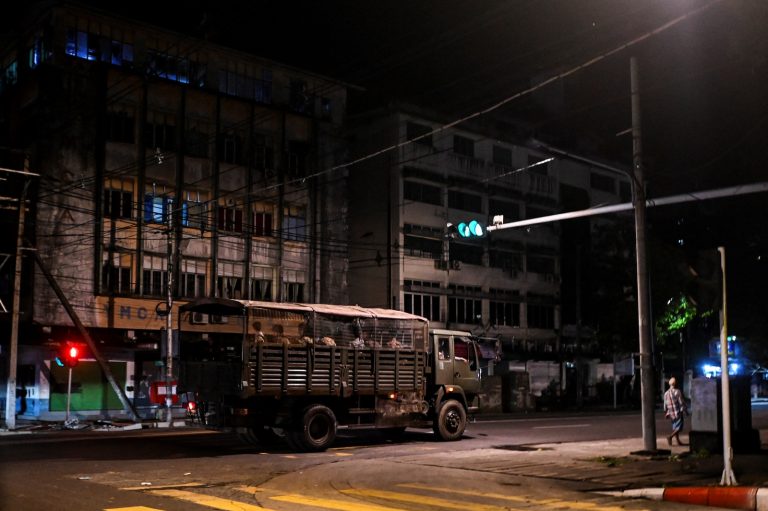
[424,500]
[208,500]
[132,508]
[162,486]
[332,504]
[343,454]
[559,504]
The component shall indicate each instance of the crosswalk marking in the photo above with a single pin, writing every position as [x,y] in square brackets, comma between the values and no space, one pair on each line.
[208,500]
[422,499]
[560,504]
[332,504]
[223,504]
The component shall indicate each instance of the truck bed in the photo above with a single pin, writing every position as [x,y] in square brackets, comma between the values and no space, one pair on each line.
[275,369]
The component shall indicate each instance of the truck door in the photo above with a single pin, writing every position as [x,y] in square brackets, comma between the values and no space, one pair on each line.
[457,363]
[466,365]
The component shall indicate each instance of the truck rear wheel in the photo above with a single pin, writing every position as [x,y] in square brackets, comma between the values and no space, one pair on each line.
[258,435]
[451,420]
[315,431]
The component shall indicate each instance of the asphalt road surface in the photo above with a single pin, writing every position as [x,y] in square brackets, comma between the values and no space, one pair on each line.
[191,469]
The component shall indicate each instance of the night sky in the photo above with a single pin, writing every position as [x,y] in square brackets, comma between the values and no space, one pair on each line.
[704,83]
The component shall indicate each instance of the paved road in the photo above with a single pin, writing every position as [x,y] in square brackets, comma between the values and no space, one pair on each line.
[193,469]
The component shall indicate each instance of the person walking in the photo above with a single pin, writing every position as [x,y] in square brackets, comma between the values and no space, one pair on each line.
[675,410]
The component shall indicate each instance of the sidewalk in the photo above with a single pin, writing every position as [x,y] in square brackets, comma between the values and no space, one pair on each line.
[674,473]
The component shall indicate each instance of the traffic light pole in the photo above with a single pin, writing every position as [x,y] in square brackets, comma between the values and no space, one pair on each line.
[69,395]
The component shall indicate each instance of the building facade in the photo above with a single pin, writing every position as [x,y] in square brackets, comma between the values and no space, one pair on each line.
[510,284]
[166,163]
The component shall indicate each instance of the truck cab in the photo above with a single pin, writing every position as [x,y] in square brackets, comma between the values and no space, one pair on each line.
[456,367]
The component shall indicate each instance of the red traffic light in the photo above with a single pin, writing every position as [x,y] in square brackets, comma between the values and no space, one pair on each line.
[71,355]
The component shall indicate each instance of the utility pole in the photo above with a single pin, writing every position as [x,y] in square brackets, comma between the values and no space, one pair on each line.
[13,355]
[646,362]
[169,323]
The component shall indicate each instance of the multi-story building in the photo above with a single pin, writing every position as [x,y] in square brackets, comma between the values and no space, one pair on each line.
[509,284]
[165,158]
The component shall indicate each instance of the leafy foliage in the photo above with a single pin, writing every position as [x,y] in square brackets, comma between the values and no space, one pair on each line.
[679,312]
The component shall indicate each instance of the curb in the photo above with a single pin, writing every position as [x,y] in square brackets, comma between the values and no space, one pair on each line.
[749,498]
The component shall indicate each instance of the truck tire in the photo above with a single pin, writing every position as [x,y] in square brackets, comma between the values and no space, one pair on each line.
[258,435]
[315,430]
[451,421]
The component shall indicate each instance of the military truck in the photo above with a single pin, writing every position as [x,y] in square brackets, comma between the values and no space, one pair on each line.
[299,372]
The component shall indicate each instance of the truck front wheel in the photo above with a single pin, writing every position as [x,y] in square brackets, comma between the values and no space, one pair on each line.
[451,420]
[315,431]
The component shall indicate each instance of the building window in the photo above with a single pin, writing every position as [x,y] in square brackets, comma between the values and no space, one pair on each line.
[465,201]
[464,146]
[294,223]
[602,182]
[158,204]
[98,48]
[196,140]
[464,310]
[193,278]
[194,210]
[177,69]
[264,87]
[504,313]
[421,192]
[300,99]
[9,74]
[541,316]
[231,148]
[414,131]
[230,218]
[298,152]
[120,127]
[261,283]
[423,241]
[160,134]
[293,285]
[38,52]
[264,152]
[246,87]
[118,198]
[469,254]
[326,108]
[502,156]
[424,305]
[155,276]
[262,219]
[116,273]
[229,282]
[506,260]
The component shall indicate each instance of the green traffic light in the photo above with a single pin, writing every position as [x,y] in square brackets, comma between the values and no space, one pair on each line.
[473,229]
